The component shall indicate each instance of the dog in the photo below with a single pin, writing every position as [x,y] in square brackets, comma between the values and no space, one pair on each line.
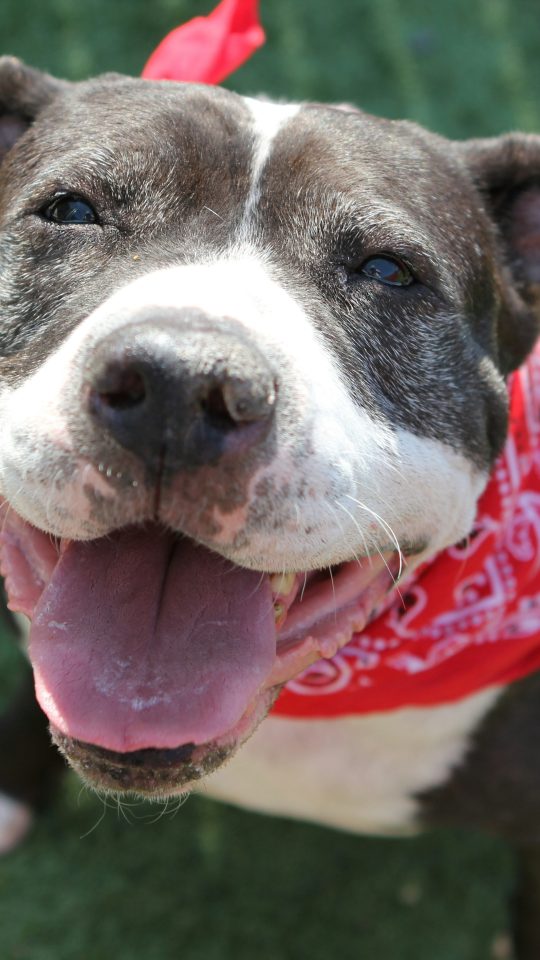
[253,367]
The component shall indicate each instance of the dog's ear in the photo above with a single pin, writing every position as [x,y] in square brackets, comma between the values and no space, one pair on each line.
[506,170]
[23,93]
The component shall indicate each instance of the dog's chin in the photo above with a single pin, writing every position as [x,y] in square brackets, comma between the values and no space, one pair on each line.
[155,773]
[155,658]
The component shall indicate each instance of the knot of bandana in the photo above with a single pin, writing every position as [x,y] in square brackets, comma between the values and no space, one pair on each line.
[208,49]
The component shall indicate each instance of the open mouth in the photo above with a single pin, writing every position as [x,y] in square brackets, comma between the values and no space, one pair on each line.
[146,639]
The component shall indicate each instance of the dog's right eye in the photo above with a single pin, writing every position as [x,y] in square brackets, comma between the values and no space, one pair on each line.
[388,270]
[70,210]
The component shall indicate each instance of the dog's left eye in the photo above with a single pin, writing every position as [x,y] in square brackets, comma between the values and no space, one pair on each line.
[71,210]
[387,270]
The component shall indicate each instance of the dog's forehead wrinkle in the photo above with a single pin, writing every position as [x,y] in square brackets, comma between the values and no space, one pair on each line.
[369,220]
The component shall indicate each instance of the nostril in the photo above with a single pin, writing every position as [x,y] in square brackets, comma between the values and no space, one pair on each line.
[120,387]
[216,411]
[235,402]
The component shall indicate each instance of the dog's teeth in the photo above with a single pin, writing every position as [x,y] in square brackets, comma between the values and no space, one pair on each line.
[279,613]
[282,583]
[328,647]
[101,467]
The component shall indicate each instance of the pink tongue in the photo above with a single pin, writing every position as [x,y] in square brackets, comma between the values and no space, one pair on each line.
[144,640]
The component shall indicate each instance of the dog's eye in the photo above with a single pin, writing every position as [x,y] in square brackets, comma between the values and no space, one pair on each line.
[387,270]
[71,210]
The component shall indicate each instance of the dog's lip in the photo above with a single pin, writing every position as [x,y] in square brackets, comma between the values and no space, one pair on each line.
[159,773]
[330,611]
[316,613]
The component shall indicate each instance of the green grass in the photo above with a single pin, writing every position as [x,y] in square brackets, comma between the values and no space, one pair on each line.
[212,883]
[464,68]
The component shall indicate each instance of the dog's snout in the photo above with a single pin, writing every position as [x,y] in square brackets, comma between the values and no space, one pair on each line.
[180,392]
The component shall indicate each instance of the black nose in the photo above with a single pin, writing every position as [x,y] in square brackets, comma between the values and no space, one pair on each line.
[181,390]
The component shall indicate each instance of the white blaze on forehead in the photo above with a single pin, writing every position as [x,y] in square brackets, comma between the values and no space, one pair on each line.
[268,120]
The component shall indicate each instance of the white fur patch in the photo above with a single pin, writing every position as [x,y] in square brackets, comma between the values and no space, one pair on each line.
[268,119]
[356,773]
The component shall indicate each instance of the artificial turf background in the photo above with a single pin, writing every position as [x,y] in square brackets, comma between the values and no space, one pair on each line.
[212,883]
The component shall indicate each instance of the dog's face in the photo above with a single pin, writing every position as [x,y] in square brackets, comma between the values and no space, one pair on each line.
[252,363]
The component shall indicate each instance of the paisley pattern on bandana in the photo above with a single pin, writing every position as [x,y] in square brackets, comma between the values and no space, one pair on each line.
[467,620]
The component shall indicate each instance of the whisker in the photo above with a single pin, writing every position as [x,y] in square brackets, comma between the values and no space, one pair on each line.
[151,820]
[122,810]
[8,507]
[355,555]
[357,525]
[333,591]
[258,586]
[98,822]
[180,801]
[386,526]
[394,579]
[214,212]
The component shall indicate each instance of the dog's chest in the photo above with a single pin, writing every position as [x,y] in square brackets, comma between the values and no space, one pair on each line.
[356,773]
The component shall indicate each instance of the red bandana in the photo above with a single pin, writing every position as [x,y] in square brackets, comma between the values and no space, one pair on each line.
[469,619]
